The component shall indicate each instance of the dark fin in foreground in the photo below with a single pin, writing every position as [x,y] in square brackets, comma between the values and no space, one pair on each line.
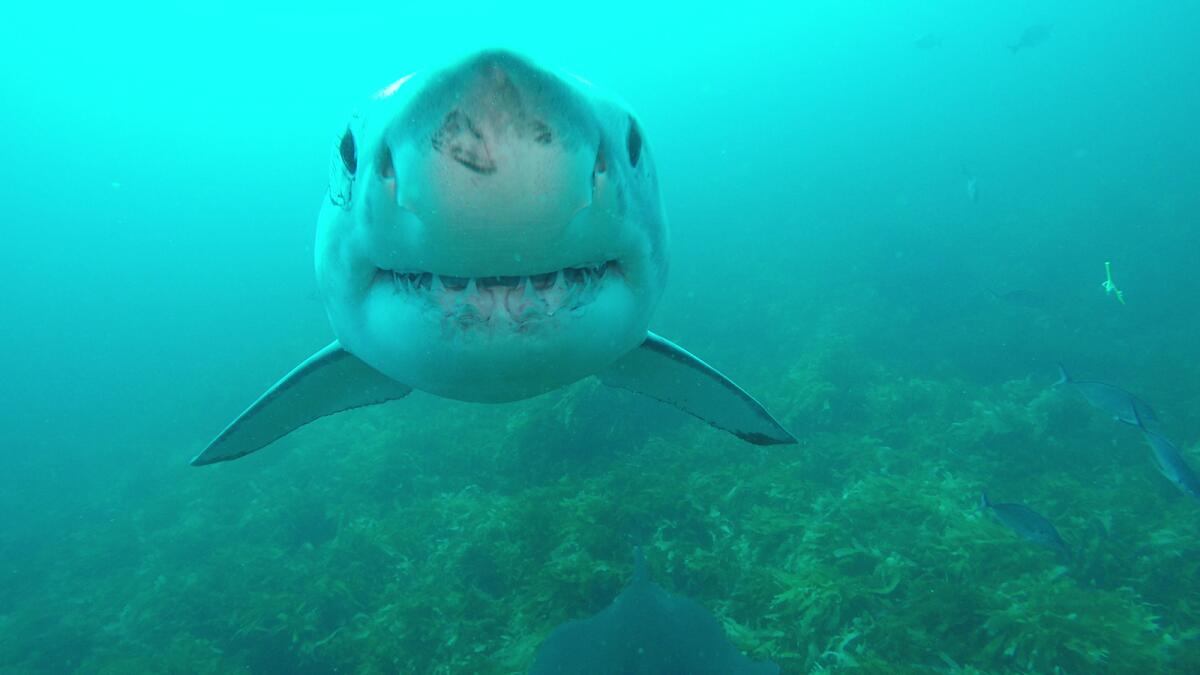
[665,371]
[645,630]
[639,566]
[328,382]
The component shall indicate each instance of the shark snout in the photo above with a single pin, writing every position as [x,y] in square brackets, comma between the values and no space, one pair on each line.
[503,162]
[496,111]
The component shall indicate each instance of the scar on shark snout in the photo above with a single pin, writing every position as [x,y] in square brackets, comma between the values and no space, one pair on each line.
[459,139]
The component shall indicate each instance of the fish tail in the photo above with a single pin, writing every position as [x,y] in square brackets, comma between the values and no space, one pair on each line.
[1063,377]
[983,500]
[1137,416]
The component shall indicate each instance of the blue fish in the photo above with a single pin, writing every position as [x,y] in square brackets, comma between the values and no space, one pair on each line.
[1032,37]
[1113,400]
[1030,524]
[1169,461]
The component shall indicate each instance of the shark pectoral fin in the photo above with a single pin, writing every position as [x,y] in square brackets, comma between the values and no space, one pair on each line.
[665,371]
[328,382]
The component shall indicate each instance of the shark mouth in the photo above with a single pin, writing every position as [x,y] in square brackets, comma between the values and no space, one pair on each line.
[495,299]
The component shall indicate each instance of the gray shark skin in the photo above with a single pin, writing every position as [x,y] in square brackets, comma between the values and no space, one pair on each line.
[493,231]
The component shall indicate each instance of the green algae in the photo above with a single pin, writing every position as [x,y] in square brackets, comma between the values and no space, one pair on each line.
[449,538]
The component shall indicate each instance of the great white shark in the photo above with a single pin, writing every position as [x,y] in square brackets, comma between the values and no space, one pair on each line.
[492,231]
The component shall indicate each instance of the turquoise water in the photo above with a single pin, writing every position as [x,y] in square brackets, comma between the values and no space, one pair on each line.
[164,170]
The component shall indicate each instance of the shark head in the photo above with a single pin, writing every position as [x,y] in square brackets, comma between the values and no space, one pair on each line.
[492,231]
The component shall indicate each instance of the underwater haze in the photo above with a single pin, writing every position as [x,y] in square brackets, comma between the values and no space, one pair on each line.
[889,222]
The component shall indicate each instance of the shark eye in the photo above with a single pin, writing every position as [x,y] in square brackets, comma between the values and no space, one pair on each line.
[633,143]
[348,152]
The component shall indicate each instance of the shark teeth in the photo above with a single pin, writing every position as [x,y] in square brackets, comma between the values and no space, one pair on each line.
[543,281]
[522,297]
[412,281]
[562,279]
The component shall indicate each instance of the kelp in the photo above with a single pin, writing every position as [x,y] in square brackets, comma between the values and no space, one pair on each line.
[435,537]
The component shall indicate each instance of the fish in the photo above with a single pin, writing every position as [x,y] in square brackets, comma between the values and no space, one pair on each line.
[1032,37]
[1027,523]
[1169,461]
[1114,401]
[644,631]
[492,231]
[928,41]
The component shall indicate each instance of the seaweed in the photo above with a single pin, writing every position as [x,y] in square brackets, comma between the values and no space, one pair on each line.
[453,538]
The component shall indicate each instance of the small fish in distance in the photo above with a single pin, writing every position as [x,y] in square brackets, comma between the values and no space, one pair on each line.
[1032,37]
[1113,400]
[1169,461]
[1026,522]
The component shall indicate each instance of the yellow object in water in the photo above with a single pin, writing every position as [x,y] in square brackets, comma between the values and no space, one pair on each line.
[1109,286]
